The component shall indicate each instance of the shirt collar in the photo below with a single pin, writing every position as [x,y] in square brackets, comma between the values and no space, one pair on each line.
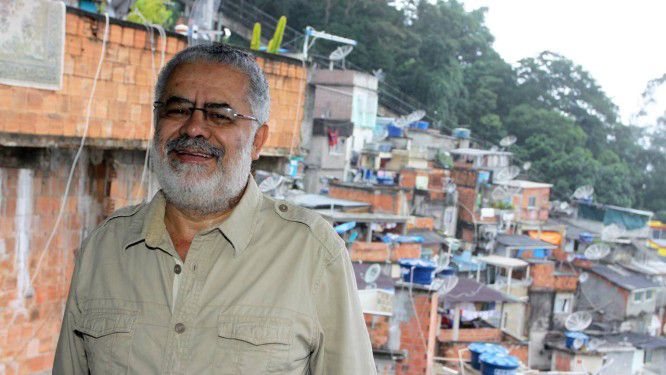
[238,227]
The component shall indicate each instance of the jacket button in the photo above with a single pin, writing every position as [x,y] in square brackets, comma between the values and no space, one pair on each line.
[283,207]
[180,327]
[177,269]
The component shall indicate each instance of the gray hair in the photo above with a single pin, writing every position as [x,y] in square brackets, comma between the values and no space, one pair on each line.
[258,97]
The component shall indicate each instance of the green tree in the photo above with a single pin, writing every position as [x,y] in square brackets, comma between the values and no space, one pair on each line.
[153,10]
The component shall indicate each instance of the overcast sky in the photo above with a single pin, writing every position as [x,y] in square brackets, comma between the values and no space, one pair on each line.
[621,43]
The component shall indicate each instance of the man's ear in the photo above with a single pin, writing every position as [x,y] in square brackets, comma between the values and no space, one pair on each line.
[260,137]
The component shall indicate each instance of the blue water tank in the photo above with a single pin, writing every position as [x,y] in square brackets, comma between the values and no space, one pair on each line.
[498,364]
[422,269]
[394,131]
[423,125]
[478,348]
[462,133]
[570,337]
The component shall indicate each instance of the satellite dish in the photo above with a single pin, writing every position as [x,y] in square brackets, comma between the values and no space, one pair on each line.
[490,245]
[408,119]
[578,321]
[527,166]
[597,251]
[488,232]
[564,206]
[448,283]
[340,53]
[498,193]
[571,258]
[528,281]
[584,192]
[582,278]
[570,211]
[578,343]
[506,174]
[372,273]
[508,141]
[494,149]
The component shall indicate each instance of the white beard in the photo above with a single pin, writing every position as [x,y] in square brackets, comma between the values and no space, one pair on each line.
[189,188]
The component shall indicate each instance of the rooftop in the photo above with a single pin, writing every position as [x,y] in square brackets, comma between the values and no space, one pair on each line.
[477,152]
[314,201]
[362,217]
[469,290]
[501,261]
[524,184]
[430,237]
[623,278]
[521,241]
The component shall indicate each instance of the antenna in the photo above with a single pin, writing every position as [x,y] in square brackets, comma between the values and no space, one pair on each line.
[408,119]
[372,273]
[339,54]
[597,251]
[584,192]
[527,165]
[578,321]
[506,174]
[508,141]
[314,34]
[582,278]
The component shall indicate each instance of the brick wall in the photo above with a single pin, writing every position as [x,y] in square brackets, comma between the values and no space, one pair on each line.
[382,252]
[566,283]
[542,275]
[562,361]
[378,328]
[472,335]
[122,107]
[381,200]
[421,223]
[414,338]
[32,184]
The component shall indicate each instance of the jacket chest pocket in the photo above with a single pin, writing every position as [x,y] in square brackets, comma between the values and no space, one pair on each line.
[107,336]
[252,345]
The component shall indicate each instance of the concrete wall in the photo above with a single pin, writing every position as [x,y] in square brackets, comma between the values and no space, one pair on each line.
[603,293]
[540,308]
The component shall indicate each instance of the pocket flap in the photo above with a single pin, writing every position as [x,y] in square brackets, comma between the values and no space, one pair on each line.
[255,330]
[97,323]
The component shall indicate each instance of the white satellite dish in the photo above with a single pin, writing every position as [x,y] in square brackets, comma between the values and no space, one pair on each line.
[448,283]
[578,343]
[417,115]
[494,149]
[488,232]
[571,258]
[508,141]
[584,192]
[527,166]
[597,251]
[578,321]
[340,53]
[498,193]
[563,206]
[372,273]
[582,278]
[506,174]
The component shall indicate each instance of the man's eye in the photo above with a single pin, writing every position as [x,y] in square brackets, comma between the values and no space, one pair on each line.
[177,112]
[219,116]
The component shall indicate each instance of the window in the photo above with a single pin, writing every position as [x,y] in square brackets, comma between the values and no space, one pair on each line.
[563,304]
[638,297]
[649,295]
[532,202]
[426,253]
[648,356]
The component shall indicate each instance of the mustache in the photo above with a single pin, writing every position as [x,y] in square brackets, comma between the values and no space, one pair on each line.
[194,144]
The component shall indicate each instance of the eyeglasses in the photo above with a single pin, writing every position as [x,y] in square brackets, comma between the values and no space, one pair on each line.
[179,111]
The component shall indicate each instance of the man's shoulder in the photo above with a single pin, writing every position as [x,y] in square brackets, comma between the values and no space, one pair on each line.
[315,224]
[122,223]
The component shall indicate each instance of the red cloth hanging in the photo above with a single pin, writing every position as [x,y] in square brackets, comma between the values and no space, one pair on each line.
[332,137]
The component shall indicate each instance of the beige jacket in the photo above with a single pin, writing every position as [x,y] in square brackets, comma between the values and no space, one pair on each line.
[269,291]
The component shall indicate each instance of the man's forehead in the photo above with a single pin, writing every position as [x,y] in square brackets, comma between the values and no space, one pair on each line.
[213,79]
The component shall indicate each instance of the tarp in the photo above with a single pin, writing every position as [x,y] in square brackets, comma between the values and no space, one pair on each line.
[551,237]
[608,216]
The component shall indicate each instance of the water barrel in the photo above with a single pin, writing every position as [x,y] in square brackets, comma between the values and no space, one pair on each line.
[587,237]
[423,125]
[478,348]
[423,270]
[394,131]
[498,364]
[570,337]
[462,133]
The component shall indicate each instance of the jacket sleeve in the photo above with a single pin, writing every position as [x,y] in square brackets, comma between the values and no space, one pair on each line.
[70,357]
[343,344]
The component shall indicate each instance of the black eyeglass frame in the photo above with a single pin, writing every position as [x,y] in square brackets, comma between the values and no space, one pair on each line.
[205,111]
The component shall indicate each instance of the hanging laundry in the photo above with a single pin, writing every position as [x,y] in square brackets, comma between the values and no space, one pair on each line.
[332,137]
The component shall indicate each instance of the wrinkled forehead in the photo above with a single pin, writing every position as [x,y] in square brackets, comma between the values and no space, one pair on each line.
[206,80]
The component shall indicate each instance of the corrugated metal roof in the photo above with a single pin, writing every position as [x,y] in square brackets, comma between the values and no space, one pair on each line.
[515,240]
[469,290]
[635,339]
[429,237]
[501,261]
[314,201]
[623,278]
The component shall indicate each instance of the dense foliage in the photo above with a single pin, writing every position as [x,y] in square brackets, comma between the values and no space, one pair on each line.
[442,55]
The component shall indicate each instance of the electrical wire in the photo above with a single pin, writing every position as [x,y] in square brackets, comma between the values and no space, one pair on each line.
[73,167]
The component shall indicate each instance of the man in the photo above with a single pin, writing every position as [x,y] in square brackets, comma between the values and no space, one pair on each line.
[211,277]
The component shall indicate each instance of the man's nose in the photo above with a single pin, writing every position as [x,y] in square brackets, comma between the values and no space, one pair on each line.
[196,126]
